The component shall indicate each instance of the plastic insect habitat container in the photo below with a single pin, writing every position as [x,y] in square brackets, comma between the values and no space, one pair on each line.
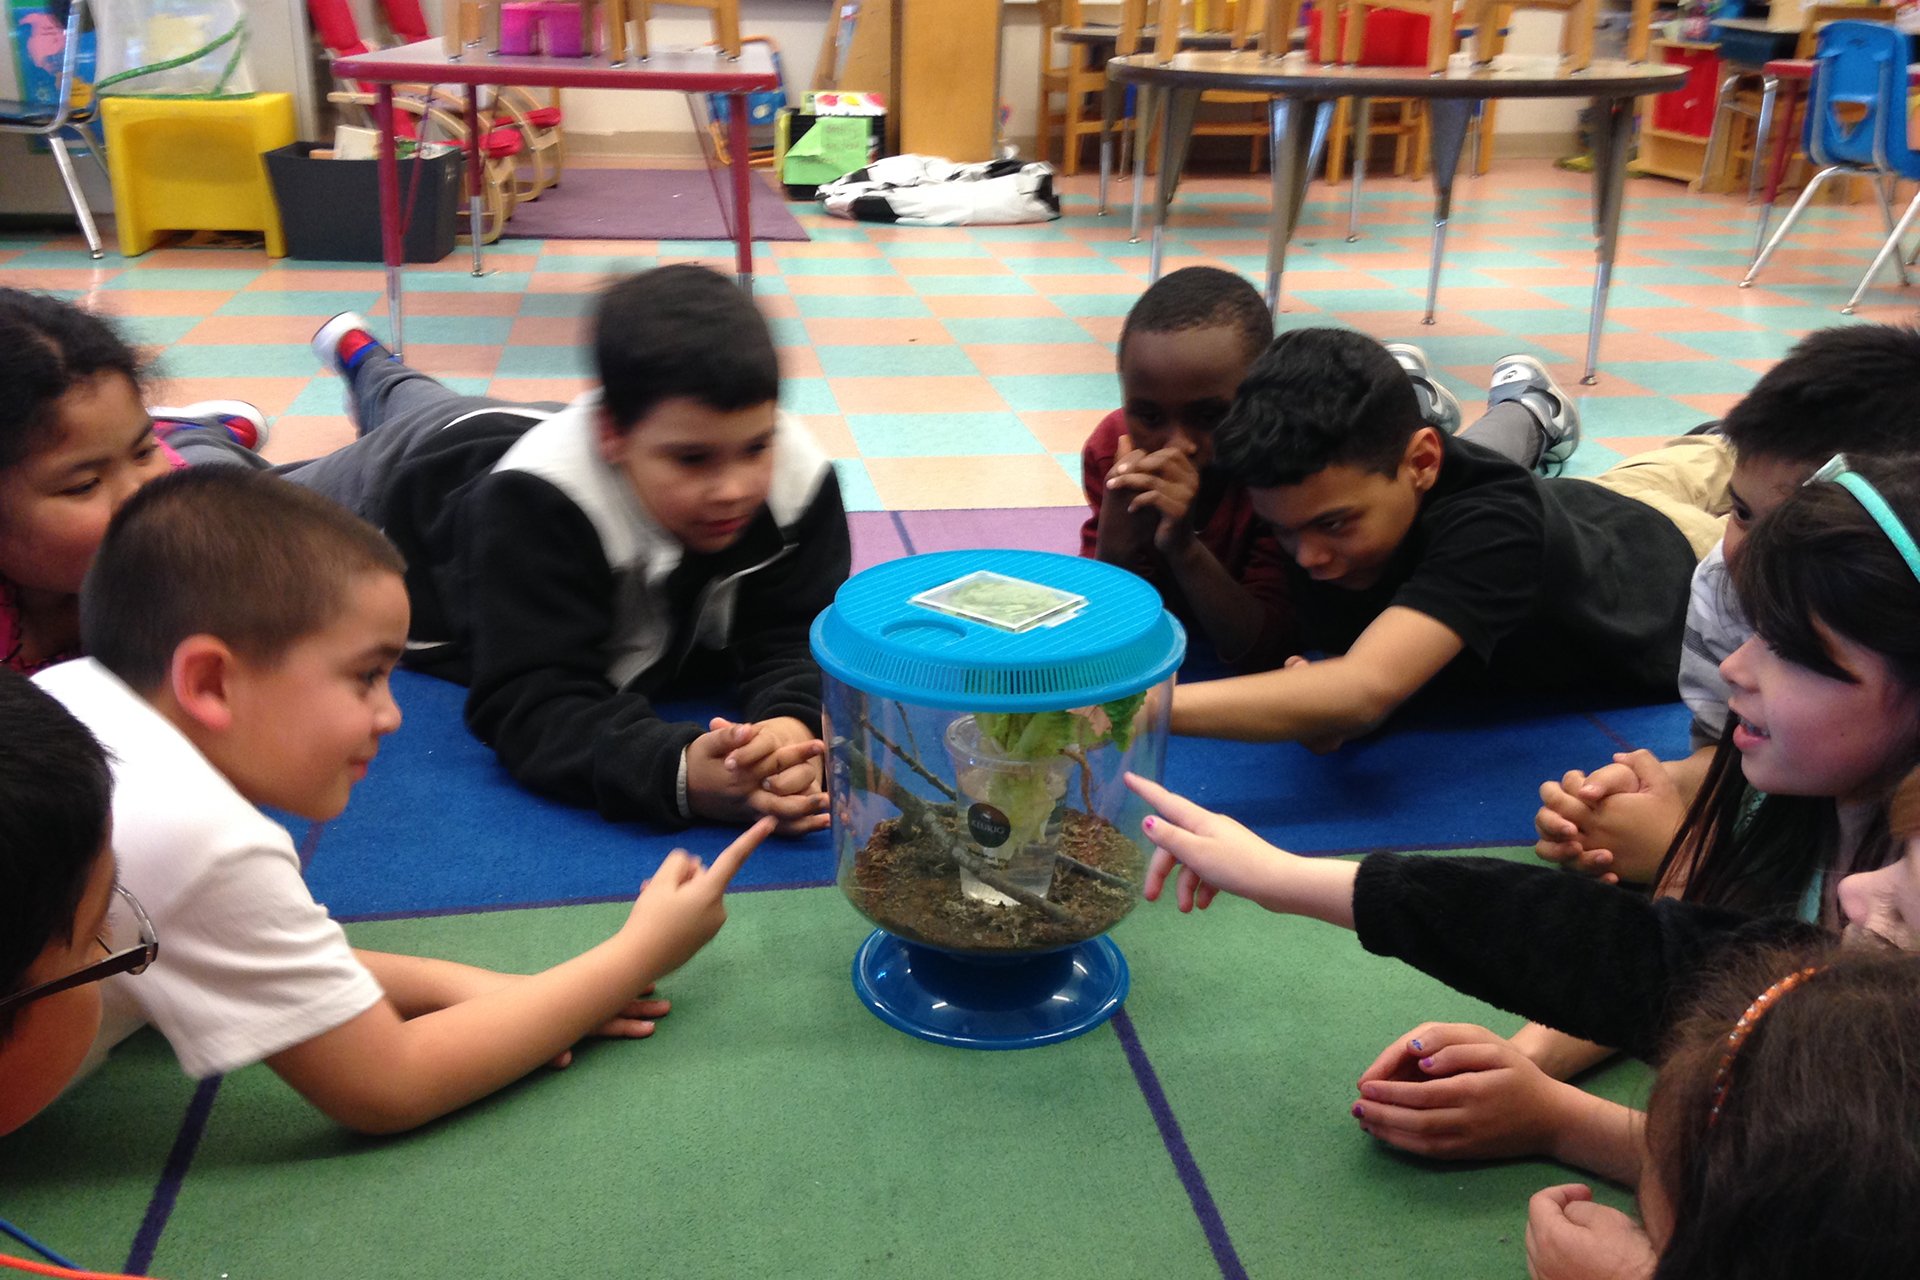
[982,708]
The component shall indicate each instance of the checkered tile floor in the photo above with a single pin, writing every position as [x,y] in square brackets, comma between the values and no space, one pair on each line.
[962,367]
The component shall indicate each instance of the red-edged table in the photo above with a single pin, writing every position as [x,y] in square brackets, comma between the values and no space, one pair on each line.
[670,70]
[1783,91]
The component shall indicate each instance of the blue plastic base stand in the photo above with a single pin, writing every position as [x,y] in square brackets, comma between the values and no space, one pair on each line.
[990,1002]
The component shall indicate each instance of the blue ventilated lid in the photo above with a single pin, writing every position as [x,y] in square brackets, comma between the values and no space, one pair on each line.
[875,638]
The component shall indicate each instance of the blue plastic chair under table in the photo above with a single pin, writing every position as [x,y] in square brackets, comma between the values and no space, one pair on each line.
[1856,123]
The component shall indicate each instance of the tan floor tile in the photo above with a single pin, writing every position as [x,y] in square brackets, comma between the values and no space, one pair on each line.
[1065,430]
[270,395]
[927,484]
[943,394]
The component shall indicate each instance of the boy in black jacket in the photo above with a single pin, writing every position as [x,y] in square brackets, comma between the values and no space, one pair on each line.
[571,564]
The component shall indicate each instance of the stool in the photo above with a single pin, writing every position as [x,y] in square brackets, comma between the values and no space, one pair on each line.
[194,164]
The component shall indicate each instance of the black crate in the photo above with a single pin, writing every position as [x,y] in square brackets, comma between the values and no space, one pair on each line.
[330,209]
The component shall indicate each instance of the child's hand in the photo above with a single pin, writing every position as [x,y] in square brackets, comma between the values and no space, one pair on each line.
[635,1022]
[1454,1091]
[1212,851]
[736,772]
[1569,1237]
[1160,485]
[683,905]
[1621,817]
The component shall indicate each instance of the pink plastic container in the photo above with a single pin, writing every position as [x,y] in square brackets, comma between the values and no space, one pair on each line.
[560,28]
[520,28]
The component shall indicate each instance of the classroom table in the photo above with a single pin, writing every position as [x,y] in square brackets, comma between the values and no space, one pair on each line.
[1303,95]
[668,70]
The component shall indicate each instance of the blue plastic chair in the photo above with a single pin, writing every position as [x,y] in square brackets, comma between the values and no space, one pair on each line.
[50,114]
[1856,126]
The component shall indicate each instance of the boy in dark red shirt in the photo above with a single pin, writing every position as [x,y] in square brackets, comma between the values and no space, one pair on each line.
[1160,507]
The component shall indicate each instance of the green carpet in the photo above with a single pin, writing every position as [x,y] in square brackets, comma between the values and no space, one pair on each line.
[775,1128]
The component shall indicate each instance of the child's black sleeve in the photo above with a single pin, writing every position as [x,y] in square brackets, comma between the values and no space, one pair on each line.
[542,596]
[1590,959]
[777,606]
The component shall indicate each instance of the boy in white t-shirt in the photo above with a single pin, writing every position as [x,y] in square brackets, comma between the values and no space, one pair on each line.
[242,633]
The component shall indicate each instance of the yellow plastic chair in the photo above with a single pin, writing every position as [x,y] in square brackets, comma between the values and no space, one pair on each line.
[194,164]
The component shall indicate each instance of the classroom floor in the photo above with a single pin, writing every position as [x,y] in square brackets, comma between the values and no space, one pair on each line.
[773,1127]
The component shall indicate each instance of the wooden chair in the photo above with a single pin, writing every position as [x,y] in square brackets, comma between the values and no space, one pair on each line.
[1075,80]
[726,23]
[1246,28]
[1491,19]
[1816,16]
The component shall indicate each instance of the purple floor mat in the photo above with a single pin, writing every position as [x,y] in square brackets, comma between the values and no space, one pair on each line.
[884,535]
[646,204]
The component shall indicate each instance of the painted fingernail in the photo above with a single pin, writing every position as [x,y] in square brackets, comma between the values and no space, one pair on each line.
[1359,1112]
[1148,824]
[1416,1046]
[1426,1064]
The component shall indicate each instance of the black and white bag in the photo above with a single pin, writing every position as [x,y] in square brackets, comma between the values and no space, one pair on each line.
[929,192]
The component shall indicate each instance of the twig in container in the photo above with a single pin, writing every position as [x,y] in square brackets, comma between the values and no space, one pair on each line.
[909,759]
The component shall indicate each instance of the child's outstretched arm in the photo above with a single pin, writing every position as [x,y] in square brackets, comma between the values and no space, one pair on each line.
[1214,853]
[1337,699]
[380,1073]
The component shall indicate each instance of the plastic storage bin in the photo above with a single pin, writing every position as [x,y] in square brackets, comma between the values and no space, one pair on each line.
[330,209]
[981,708]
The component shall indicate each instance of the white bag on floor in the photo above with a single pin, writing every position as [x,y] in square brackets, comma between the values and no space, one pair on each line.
[930,192]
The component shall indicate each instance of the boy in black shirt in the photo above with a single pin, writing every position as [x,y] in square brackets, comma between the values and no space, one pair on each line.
[1425,558]
[571,564]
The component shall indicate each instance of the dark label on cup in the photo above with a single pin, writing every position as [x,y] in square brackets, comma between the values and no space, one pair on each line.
[989,826]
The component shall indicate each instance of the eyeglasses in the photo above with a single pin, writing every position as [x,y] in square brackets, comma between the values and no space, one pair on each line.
[133,960]
[1839,471]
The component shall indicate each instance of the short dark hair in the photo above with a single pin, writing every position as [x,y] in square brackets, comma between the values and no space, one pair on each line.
[1318,398]
[47,347]
[1201,298]
[682,330]
[56,795]
[229,552]
[1811,1166]
[1850,389]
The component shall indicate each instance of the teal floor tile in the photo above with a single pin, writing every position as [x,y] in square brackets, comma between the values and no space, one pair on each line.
[544,362]
[922,249]
[1029,329]
[1037,392]
[807,395]
[467,282]
[1536,322]
[856,486]
[299,302]
[1096,304]
[151,331]
[899,361]
[1735,344]
[492,330]
[1061,266]
[941,435]
[970,286]
[181,278]
[557,304]
[219,360]
[788,333]
[1674,377]
[835,267]
[844,306]
[1635,415]
[607,264]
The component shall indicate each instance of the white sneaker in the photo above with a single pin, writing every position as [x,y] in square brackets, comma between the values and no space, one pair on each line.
[1525,380]
[244,422]
[1438,407]
[327,339]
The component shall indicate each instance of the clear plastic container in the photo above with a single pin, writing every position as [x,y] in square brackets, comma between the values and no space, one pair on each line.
[982,711]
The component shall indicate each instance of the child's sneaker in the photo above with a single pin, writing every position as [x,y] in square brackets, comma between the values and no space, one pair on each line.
[1438,408]
[344,342]
[1526,380]
[245,423]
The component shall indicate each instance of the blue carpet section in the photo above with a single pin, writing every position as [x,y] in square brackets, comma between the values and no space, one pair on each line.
[439,826]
